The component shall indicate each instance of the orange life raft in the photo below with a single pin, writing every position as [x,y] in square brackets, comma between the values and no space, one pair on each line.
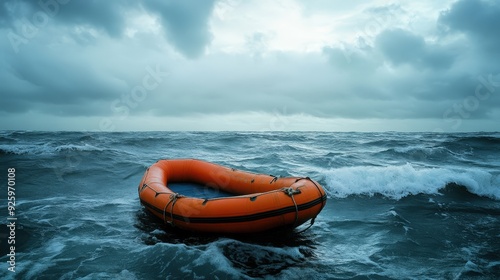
[262,202]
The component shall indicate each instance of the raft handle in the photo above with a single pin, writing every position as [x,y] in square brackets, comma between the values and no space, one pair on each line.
[275,178]
[173,200]
[290,192]
[308,227]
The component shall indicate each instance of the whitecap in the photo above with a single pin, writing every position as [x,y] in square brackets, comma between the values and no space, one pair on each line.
[398,181]
[214,256]
[45,148]
[73,147]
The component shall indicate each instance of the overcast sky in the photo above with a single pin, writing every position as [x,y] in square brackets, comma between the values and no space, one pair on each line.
[250,65]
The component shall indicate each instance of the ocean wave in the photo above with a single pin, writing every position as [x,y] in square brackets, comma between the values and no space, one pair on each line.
[396,182]
[46,149]
[124,274]
[426,153]
[7,139]
[421,149]
[478,139]
[422,152]
[471,142]
[242,260]
[73,147]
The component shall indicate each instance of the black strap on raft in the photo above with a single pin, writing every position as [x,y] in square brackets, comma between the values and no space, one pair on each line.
[291,192]
[275,178]
[157,193]
[316,185]
[309,226]
[322,203]
[173,200]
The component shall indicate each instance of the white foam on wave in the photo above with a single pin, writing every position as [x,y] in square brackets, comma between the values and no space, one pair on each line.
[73,147]
[399,181]
[46,148]
[124,274]
[214,256]
[21,149]
[45,259]
[222,254]
[423,149]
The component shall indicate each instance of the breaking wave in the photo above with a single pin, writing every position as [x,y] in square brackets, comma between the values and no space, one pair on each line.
[400,181]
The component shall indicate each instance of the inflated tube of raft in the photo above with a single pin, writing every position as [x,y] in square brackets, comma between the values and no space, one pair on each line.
[261,202]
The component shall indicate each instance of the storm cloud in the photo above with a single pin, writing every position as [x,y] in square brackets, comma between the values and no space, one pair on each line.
[478,20]
[232,64]
[185,23]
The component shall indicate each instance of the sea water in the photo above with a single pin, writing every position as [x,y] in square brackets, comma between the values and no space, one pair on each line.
[400,206]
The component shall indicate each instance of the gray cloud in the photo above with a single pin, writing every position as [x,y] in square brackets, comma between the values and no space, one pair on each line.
[400,46]
[33,80]
[4,14]
[102,15]
[404,75]
[478,19]
[185,23]
[67,79]
[107,15]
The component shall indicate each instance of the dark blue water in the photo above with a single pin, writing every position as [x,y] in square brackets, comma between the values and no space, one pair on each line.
[400,206]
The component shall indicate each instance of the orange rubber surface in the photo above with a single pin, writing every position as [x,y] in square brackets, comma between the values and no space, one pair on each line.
[261,202]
